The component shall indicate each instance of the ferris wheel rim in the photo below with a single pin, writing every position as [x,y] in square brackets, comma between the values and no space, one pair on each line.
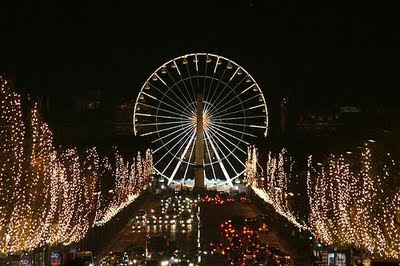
[222,132]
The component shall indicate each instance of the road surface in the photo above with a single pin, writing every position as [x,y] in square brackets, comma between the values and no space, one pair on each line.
[211,216]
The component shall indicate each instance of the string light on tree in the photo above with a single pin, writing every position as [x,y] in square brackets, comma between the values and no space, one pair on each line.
[272,186]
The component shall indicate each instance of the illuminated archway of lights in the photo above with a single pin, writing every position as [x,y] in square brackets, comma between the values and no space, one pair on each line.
[234,112]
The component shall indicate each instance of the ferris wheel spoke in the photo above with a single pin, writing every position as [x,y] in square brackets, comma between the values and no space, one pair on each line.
[177,68]
[210,159]
[227,84]
[231,151]
[187,127]
[225,157]
[176,144]
[248,88]
[219,82]
[234,130]
[223,90]
[160,79]
[162,130]
[196,60]
[184,84]
[229,93]
[181,158]
[183,94]
[159,123]
[205,77]
[208,110]
[180,106]
[234,73]
[217,131]
[212,81]
[239,103]
[221,132]
[174,156]
[242,110]
[171,140]
[240,125]
[190,80]
[216,64]
[181,109]
[163,116]
[238,118]
[162,109]
[219,161]
[188,162]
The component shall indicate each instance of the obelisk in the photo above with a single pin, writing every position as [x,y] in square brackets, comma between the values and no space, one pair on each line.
[199,165]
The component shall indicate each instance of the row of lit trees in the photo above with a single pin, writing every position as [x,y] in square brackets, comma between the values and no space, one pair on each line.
[131,178]
[353,198]
[50,196]
[271,183]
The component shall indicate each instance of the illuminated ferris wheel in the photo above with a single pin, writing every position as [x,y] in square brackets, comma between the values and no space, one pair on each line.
[234,113]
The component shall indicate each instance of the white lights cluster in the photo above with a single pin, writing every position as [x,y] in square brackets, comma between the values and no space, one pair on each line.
[354,198]
[49,196]
[354,201]
[273,186]
[130,181]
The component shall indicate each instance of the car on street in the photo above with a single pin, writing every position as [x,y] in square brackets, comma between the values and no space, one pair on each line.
[281,257]
[141,215]
[134,254]
[84,258]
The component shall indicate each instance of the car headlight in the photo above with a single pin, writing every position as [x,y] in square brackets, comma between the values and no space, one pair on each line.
[164,263]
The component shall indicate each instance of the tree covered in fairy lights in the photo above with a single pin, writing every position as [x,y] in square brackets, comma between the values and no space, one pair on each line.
[271,183]
[355,201]
[52,196]
[353,198]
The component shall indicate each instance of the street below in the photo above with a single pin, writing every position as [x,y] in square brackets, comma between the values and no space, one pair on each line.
[162,216]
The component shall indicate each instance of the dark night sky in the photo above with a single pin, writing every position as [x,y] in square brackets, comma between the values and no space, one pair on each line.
[345,52]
